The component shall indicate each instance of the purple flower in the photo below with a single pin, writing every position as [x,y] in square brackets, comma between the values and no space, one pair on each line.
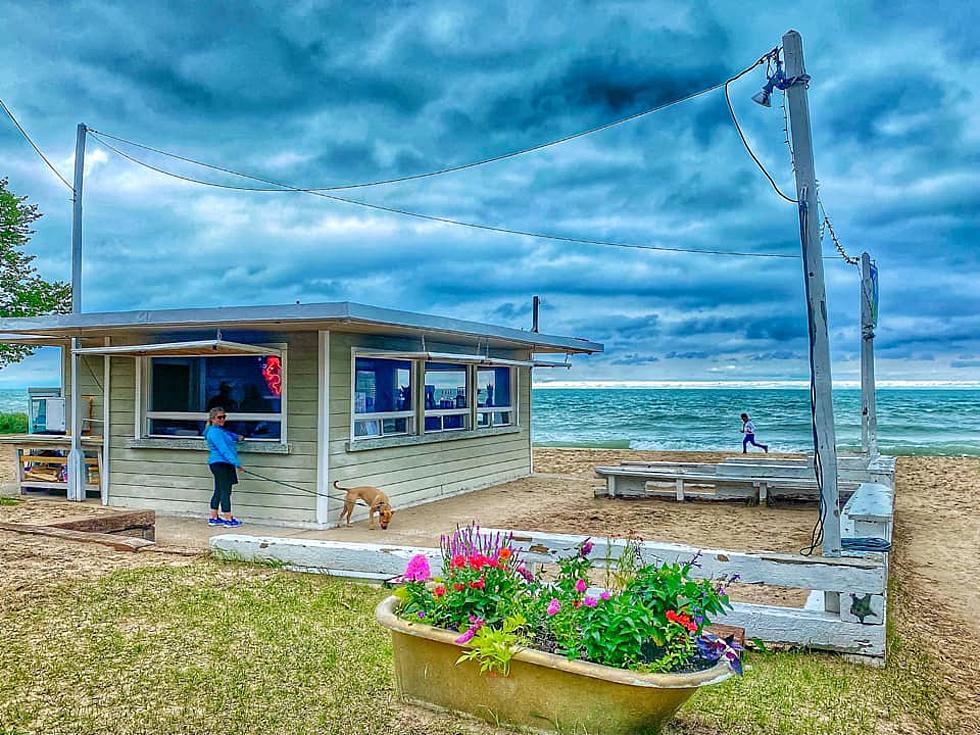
[525,572]
[421,614]
[581,585]
[590,602]
[605,595]
[418,569]
[466,637]
[586,548]
[553,607]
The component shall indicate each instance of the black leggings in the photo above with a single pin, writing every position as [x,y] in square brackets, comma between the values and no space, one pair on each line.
[224,477]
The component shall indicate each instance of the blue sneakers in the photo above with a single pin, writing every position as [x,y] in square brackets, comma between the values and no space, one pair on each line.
[233,523]
[215,522]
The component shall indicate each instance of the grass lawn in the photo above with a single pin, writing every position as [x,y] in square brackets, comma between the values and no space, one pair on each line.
[224,648]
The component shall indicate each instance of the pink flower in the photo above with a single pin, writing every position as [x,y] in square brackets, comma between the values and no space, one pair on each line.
[586,548]
[418,569]
[466,637]
[590,602]
[581,586]
[605,595]
[554,606]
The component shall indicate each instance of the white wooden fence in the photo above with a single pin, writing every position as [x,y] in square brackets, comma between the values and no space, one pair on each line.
[860,580]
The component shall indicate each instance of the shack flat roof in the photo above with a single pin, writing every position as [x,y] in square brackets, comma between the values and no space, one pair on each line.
[288,317]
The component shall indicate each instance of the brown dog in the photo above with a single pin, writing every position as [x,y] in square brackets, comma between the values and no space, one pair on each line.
[376,501]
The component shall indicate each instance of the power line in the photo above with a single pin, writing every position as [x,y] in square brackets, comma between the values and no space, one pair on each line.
[34,146]
[745,141]
[448,169]
[448,220]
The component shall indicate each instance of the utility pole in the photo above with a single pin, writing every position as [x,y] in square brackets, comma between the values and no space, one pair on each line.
[76,459]
[825,440]
[869,307]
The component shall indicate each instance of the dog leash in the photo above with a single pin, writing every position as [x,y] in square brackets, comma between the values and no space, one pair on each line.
[303,490]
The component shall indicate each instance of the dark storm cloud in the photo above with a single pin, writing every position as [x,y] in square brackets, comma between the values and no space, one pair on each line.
[351,92]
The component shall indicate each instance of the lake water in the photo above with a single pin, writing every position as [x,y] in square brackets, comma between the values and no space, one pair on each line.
[910,421]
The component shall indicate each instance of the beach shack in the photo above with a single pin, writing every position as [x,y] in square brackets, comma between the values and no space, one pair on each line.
[421,406]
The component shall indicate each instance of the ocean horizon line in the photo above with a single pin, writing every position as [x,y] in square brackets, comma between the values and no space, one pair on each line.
[749,384]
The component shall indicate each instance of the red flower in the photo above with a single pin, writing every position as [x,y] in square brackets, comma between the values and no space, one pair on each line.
[576,603]
[682,620]
[477,562]
[478,584]
[439,591]
[458,587]
[458,562]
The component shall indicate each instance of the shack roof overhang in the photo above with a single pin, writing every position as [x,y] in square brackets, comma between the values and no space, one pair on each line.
[343,315]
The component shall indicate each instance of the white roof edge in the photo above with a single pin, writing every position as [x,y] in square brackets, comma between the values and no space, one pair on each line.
[204,347]
[64,325]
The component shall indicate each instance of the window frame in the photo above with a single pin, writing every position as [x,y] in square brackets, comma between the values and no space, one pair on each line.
[144,389]
[411,418]
[442,413]
[511,406]
[416,417]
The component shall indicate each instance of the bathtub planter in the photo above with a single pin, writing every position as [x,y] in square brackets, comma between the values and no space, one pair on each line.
[542,691]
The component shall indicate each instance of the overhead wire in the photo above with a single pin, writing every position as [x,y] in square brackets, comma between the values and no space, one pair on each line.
[34,145]
[449,220]
[447,169]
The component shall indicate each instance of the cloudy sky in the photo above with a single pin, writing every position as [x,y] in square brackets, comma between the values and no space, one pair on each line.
[326,94]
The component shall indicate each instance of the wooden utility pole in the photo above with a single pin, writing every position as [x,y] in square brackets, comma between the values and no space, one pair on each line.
[76,460]
[825,446]
[869,411]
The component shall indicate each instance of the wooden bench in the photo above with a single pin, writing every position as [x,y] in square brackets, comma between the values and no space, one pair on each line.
[869,512]
[633,481]
[25,459]
[848,472]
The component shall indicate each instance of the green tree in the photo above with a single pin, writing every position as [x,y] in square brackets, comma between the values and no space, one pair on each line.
[22,291]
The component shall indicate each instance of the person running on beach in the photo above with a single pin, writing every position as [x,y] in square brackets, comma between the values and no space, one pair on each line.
[748,428]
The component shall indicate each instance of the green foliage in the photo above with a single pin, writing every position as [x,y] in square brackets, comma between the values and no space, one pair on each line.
[13,423]
[495,647]
[619,632]
[652,619]
[22,290]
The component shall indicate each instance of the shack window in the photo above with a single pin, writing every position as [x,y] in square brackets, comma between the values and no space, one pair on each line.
[495,397]
[382,397]
[447,397]
[182,390]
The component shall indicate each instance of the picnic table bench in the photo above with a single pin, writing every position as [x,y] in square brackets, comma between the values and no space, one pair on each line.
[741,484]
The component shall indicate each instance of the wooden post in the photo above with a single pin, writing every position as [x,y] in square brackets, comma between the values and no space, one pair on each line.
[106,424]
[76,460]
[869,411]
[816,295]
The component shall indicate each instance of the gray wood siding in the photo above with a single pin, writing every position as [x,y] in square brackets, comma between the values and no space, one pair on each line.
[419,473]
[178,480]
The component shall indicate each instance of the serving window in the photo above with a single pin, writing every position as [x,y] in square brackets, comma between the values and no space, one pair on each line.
[180,392]
[413,394]
[447,397]
[495,396]
[383,397]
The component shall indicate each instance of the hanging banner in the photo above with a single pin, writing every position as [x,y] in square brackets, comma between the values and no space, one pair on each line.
[874,296]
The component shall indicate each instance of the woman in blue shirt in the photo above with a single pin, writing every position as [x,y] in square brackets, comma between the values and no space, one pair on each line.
[224,465]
